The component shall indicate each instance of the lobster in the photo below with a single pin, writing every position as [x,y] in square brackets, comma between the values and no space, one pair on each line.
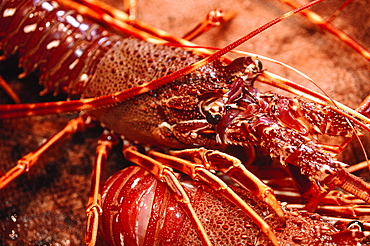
[130,204]
[210,108]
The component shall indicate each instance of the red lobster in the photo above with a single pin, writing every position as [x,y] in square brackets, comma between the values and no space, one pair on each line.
[220,106]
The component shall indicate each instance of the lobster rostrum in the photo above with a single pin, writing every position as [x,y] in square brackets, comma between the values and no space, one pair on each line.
[210,105]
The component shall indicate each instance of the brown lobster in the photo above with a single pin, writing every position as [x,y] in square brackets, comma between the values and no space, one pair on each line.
[221,101]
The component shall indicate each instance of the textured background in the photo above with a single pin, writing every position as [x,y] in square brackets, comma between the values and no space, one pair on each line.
[47,205]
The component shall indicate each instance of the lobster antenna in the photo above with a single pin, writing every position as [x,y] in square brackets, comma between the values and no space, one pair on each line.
[367,161]
[337,12]
[21,110]
[326,25]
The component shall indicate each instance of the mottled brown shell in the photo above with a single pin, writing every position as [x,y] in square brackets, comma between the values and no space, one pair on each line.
[132,62]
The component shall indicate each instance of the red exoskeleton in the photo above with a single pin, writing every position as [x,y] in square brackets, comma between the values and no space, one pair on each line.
[225,104]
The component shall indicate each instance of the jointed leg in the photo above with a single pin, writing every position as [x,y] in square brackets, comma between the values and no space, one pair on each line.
[200,173]
[214,18]
[318,20]
[94,206]
[28,161]
[231,166]
[8,90]
[364,109]
[349,182]
[166,174]
[130,8]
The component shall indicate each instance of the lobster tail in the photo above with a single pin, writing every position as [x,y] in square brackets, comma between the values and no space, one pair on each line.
[62,44]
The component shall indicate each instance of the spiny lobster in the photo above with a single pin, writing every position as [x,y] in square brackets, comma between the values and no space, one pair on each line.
[212,103]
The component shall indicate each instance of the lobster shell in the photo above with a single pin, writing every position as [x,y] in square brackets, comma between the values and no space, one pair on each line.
[140,210]
[50,201]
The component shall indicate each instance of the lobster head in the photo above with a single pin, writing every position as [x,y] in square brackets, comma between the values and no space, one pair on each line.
[222,109]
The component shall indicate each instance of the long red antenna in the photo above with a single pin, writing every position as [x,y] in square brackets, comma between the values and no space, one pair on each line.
[22,110]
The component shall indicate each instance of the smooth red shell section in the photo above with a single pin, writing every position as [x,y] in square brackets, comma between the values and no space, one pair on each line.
[138,210]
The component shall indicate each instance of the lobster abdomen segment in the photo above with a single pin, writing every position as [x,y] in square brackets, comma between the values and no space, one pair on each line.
[61,43]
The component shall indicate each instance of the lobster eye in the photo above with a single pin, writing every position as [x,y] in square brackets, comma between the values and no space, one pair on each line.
[213,109]
[253,65]
[355,226]
[258,64]
[213,119]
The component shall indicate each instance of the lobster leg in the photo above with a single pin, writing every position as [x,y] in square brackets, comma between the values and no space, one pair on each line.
[9,90]
[130,7]
[337,199]
[29,160]
[231,166]
[354,211]
[284,190]
[336,203]
[165,174]
[94,207]
[214,18]
[343,179]
[200,173]
[326,25]
[325,171]
[363,109]
[358,166]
